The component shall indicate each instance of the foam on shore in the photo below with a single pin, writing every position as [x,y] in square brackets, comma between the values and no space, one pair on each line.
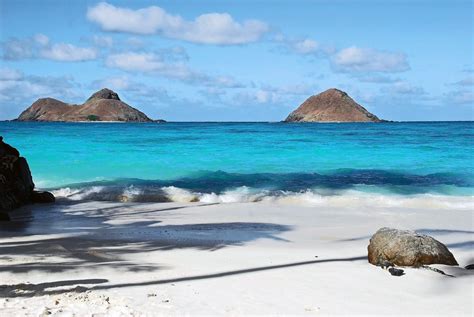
[347,198]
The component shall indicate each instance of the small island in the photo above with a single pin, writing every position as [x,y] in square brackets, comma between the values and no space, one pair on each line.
[104,105]
[332,105]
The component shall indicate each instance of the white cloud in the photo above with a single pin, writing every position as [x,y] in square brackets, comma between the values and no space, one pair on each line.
[39,46]
[117,83]
[306,46]
[103,41]
[377,79]
[270,95]
[355,59]
[10,74]
[142,62]
[228,82]
[460,97]
[18,91]
[68,53]
[296,89]
[125,84]
[161,64]
[302,46]
[404,88]
[41,39]
[151,63]
[17,49]
[211,28]
[468,81]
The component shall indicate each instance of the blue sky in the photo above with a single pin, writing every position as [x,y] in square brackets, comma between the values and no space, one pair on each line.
[241,60]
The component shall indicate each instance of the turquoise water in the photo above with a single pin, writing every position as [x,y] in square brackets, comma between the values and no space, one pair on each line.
[388,158]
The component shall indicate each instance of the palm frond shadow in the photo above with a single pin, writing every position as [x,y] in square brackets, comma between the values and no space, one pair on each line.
[64,237]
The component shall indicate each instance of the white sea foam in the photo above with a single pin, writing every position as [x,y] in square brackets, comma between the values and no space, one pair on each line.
[78,193]
[240,194]
[349,198]
[180,195]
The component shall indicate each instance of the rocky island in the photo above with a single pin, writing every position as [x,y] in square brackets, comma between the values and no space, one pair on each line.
[104,105]
[332,105]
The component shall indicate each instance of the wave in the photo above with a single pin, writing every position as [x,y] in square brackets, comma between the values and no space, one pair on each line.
[333,181]
[349,198]
[341,187]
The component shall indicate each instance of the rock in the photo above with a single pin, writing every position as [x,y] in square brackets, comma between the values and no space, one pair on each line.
[104,105]
[396,272]
[469,267]
[42,197]
[407,248]
[16,184]
[104,93]
[6,149]
[332,105]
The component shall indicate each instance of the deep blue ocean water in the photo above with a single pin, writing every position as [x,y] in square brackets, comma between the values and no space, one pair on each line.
[141,159]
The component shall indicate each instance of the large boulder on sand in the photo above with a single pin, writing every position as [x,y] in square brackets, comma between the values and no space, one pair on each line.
[407,248]
[16,184]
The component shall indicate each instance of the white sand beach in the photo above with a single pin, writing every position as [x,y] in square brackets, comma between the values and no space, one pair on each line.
[148,259]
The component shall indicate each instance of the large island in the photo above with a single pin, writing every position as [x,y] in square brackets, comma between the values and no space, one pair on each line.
[332,105]
[104,105]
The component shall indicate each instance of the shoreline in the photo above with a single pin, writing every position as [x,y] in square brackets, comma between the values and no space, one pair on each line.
[241,122]
[234,258]
[308,198]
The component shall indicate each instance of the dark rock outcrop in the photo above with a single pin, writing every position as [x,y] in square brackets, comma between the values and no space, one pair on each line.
[16,184]
[332,105]
[407,248]
[104,105]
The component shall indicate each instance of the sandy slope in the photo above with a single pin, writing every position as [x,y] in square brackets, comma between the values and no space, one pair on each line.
[242,258]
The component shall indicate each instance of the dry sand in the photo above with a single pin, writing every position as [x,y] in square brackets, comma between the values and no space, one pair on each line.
[114,259]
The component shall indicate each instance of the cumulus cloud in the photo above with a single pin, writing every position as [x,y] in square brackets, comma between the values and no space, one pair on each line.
[150,63]
[39,46]
[153,100]
[138,91]
[355,59]
[404,88]
[302,46]
[68,53]
[377,79]
[102,41]
[161,64]
[14,84]
[210,28]
[18,91]
[17,49]
[462,97]
[273,95]
[466,82]
[10,74]
[41,39]
[306,46]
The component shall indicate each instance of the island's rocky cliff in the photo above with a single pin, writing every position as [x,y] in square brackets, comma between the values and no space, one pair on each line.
[332,105]
[104,105]
[16,183]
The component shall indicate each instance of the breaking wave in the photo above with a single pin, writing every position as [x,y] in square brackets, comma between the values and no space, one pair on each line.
[343,189]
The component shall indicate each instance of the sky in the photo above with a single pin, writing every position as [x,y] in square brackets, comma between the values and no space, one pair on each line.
[241,60]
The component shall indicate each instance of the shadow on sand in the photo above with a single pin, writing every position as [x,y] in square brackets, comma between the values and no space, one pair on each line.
[30,290]
[64,237]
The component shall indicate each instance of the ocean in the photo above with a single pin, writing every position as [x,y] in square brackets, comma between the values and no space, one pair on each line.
[231,162]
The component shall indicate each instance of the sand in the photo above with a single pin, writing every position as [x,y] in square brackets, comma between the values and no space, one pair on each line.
[113,259]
